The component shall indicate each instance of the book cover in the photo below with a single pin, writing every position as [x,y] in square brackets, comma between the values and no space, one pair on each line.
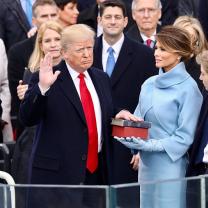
[122,131]
[134,124]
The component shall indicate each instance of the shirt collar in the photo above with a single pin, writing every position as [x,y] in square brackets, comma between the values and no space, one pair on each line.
[144,37]
[74,74]
[116,47]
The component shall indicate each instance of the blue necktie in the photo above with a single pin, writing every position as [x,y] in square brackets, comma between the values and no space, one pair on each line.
[110,61]
[29,11]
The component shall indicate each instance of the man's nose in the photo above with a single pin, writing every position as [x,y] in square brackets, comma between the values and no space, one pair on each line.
[113,20]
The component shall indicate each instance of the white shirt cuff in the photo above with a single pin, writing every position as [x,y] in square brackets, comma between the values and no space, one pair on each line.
[43,91]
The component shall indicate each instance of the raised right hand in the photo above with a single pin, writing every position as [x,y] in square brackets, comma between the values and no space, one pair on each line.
[46,75]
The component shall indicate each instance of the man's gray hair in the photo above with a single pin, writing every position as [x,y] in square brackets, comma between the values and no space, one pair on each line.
[134,4]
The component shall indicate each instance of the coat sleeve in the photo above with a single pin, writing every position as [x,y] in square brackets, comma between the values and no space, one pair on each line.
[33,105]
[178,143]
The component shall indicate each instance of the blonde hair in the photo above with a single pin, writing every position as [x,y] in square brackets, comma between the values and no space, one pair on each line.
[175,40]
[37,54]
[76,33]
[202,59]
[199,42]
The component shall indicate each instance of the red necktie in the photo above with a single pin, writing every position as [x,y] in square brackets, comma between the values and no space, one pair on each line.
[87,104]
[149,41]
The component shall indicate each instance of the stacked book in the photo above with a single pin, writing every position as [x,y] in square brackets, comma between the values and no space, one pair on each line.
[126,128]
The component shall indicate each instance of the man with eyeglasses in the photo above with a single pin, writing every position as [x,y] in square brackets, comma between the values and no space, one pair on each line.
[146,13]
[89,16]
[128,64]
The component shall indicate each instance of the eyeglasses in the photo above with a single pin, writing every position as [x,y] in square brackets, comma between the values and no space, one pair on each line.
[149,11]
[115,17]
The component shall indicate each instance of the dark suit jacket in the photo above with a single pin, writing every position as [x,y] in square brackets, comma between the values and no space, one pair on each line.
[193,68]
[83,4]
[194,151]
[18,58]
[134,33]
[188,7]
[13,22]
[134,65]
[203,15]
[169,11]
[61,143]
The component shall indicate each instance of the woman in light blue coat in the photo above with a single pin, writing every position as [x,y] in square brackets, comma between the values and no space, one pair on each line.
[171,101]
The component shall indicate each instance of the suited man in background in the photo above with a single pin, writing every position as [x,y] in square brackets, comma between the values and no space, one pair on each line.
[13,22]
[90,16]
[134,63]
[19,54]
[147,15]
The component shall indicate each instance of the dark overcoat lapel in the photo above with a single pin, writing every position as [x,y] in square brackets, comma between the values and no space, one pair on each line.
[67,85]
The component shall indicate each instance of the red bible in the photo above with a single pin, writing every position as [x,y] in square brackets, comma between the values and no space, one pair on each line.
[125,128]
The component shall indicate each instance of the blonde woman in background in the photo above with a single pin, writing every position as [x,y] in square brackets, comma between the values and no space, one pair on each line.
[47,41]
[199,43]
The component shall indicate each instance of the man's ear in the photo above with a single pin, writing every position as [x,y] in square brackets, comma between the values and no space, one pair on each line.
[63,53]
[34,21]
[133,15]
[126,21]
[159,14]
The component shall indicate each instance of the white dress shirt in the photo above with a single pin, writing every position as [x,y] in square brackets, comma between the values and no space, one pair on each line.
[205,158]
[116,47]
[144,37]
[96,103]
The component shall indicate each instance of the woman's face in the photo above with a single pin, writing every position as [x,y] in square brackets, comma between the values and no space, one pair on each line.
[51,43]
[69,14]
[204,77]
[165,59]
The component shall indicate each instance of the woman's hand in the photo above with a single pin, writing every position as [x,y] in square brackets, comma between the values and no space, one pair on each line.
[149,145]
[131,142]
[21,90]
[135,161]
[124,114]
[32,32]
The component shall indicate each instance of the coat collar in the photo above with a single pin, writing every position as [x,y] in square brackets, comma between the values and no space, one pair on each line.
[124,58]
[67,85]
[175,76]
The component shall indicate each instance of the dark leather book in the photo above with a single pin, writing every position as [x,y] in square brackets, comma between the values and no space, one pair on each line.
[134,124]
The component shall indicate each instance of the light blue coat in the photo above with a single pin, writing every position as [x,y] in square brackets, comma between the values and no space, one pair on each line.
[172,102]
